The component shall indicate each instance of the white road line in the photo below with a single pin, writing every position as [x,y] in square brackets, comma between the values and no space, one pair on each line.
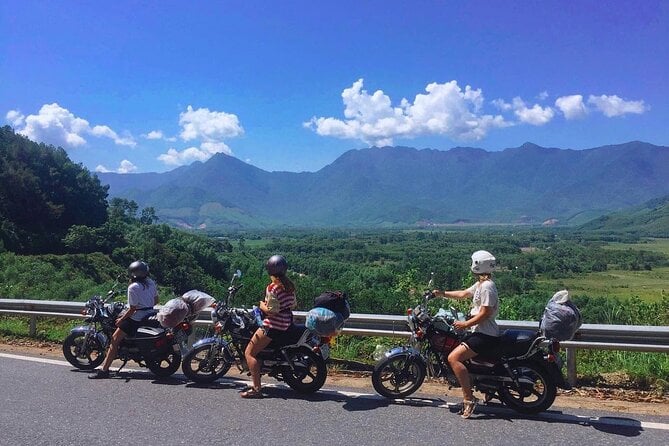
[576,419]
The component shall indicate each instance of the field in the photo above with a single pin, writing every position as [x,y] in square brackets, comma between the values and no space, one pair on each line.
[647,285]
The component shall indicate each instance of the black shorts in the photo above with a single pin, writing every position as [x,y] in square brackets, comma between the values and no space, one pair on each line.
[277,336]
[482,344]
[130,326]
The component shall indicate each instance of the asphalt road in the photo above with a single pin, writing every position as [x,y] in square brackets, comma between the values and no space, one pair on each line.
[48,402]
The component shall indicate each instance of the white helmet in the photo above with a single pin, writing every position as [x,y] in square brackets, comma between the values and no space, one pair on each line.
[483,262]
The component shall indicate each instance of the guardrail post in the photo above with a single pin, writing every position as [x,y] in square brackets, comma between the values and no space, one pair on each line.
[571,365]
[33,326]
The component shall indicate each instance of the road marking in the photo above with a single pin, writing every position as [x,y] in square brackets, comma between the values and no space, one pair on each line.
[574,419]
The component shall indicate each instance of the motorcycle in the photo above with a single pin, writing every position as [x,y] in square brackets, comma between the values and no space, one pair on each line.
[300,360]
[152,346]
[524,375]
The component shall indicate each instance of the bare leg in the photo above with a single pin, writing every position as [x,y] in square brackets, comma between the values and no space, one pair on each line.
[117,337]
[257,343]
[456,359]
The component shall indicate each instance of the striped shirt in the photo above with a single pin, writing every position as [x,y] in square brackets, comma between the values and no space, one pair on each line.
[282,319]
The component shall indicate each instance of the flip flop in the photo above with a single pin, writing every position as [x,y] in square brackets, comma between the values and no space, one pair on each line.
[251,394]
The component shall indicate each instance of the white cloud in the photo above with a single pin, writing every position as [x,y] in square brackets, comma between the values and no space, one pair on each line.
[206,150]
[125,167]
[154,134]
[572,107]
[208,125]
[543,95]
[56,125]
[444,109]
[15,118]
[536,115]
[615,106]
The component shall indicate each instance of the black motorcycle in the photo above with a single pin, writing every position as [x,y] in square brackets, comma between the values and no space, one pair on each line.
[152,346]
[524,375]
[300,360]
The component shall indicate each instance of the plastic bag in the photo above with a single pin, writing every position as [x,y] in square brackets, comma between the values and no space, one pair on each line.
[198,300]
[323,321]
[561,317]
[173,312]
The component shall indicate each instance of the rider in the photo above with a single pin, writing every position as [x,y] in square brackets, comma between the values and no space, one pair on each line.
[484,336]
[142,296]
[277,306]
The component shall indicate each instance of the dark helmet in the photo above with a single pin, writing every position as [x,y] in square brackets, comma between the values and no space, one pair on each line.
[276,265]
[138,270]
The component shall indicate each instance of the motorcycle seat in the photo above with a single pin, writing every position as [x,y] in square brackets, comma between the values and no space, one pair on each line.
[146,333]
[290,336]
[517,342]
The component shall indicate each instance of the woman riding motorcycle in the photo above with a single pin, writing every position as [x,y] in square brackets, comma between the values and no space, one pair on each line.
[484,337]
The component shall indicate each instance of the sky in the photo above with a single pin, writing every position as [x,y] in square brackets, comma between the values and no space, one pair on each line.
[126,86]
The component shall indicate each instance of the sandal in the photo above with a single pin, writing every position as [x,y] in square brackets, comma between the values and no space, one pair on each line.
[468,408]
[251,393]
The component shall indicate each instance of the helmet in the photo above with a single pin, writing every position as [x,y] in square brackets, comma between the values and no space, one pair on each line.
[483,262]
[276,265]
[138,270]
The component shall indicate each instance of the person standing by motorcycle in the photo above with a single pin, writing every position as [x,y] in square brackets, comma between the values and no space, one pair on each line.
[484,336]
[142,296]
[277,307]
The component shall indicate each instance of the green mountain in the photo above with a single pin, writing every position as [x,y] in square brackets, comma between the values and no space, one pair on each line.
[651,218]
[395,186]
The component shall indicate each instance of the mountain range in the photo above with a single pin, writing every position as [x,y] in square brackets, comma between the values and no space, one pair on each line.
[402,186]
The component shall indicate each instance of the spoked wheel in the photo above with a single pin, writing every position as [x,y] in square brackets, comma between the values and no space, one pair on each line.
[536,393]
[310,371]
[165,366]
[205,364]
[398,376]
[83,350]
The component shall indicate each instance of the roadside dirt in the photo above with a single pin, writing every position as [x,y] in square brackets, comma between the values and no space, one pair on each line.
[611,397]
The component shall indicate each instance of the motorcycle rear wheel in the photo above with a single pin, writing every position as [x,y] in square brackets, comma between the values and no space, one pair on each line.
[165,366]
[83,353]
[202,365]
[310,371]
[537,391]
[398,376]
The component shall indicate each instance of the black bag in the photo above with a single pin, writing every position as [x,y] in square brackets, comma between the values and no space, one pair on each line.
[336,301]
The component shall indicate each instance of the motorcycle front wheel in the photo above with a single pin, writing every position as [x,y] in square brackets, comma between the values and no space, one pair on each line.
[398,376]
[82,351]
[166,365]
[310,371]
[205,364]
[536,393]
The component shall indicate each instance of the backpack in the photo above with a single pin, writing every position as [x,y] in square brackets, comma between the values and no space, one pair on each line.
[335,301]
[561,317]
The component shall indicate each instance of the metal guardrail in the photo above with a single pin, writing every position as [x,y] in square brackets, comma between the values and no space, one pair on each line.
[639,338]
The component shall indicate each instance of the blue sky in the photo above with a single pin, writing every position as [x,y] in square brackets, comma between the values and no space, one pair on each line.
[146,87]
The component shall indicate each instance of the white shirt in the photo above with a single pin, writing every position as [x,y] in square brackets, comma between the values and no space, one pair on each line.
[485,295]
[142,296]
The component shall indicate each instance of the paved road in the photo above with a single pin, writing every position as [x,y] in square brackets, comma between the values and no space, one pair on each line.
[47,402]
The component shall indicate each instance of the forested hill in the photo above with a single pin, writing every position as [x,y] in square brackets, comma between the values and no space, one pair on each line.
[42,194]
[391,186]
[651,218]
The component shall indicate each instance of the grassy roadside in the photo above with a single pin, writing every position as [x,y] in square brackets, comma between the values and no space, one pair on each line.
[632,370]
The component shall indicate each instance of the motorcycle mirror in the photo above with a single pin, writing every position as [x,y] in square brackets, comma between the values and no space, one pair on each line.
[430,284]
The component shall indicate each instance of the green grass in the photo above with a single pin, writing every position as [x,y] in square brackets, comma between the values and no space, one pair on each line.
[647,285]
[660,245]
